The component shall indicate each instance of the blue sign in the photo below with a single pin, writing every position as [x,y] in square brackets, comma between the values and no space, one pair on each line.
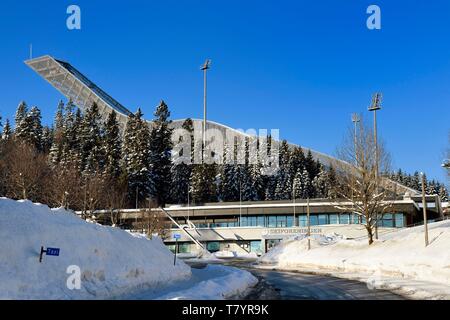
[52,252]
[177,236]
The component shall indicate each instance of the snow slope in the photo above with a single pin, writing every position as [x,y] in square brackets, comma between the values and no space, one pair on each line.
[397,255]
[112,262]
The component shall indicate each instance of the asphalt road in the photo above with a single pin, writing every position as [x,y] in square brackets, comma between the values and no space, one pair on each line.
[299,286]
[274,284]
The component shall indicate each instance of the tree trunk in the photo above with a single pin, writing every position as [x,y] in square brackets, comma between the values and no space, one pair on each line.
[370,234]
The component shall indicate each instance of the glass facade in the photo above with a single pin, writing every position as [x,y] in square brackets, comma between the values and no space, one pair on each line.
[285,221]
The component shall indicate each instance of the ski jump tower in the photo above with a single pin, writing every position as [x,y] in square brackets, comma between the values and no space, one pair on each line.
[75,86]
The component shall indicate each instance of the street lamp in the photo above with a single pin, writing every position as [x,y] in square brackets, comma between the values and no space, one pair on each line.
[356,119]
[204,68]
[375,106]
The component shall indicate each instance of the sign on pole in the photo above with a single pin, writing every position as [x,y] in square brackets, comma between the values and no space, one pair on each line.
[49,252]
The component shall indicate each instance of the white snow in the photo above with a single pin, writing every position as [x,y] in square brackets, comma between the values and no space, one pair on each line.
[235,255]
[112,262]
[398,260]
[221,282]
[213,282]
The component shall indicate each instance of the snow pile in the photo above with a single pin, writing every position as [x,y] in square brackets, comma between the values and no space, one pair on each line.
[399,254]
[112,262]
[235,255]
[222,282]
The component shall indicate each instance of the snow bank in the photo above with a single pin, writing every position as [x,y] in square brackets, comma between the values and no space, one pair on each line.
[222,282]
[399,254]
[112,262]
[235,255]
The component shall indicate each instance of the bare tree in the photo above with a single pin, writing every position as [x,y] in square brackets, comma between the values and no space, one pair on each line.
[25,172]
[67,187]
[115,199]
[362,190]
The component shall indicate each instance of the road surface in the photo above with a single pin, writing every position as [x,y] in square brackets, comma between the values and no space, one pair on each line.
[274,284]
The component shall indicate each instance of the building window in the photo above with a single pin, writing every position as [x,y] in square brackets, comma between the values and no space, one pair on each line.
[290,221]
[260,221]
[302,221]
[334,218]
[255,246]
[281,221]
[213,246]
[344,218]
[313,220]
[399,220]
[272,222]
[323,219]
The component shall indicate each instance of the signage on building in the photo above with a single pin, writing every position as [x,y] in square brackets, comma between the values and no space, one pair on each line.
[287,232]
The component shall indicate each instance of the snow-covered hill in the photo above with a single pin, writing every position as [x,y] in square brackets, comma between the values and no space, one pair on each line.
[112,262]
[400,254]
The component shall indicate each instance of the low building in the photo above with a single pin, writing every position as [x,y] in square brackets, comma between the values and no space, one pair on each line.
[259,225]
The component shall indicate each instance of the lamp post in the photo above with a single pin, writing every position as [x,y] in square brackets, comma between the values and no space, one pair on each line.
[424,205]
[204,68]
[293,199]
[356,119]
[240,201]
[375,106]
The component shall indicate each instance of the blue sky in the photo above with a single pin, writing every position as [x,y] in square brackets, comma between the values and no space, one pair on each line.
[300,66]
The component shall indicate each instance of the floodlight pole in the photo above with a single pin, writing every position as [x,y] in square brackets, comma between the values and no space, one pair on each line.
[376,105]
[424,205]
[204,68]
[356,119]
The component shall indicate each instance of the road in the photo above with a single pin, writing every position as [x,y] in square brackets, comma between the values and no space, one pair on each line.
[274,284]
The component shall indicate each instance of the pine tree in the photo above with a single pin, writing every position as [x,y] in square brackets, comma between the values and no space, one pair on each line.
[160,153]
[59,117]
[47,139]
[21,113]
[297,161]
[36,128]
[298,185]
[283,189]
[415,181]
[319,184]
[136,155]
[443,193]
[306,185]
[7,131]
[331,183]
[92,157]
[181,170]
[112,147]
[229,187]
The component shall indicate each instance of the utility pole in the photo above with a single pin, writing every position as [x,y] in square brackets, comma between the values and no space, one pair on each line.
[204,68]
[424,204]
[376,105]
[309,224]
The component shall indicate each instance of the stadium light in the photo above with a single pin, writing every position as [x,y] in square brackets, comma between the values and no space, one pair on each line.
[204,68]
[375,106]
